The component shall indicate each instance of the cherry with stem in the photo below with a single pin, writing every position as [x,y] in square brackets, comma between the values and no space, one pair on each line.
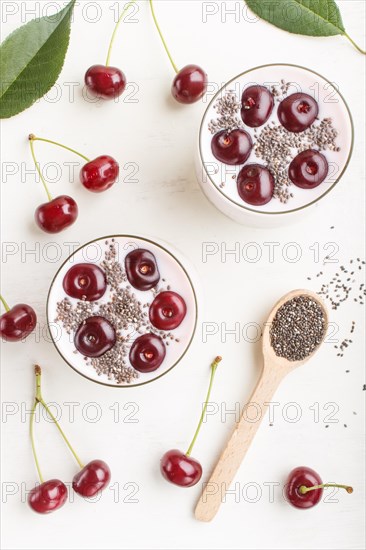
[180,468]
[17,322]
[106,81]
[190,83]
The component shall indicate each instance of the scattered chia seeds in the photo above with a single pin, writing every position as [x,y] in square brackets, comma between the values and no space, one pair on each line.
[297,328]
[123,310]
[273,144]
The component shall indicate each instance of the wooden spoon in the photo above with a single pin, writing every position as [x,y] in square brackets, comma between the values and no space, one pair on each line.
[274,370]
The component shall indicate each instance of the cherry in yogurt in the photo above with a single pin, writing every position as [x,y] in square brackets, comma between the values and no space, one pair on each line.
[231,147]
[256,106]
[308,169]
[147,353]
[297,112]
[167,311]
[142,269]
[255,184]
[95,337]
[85,282]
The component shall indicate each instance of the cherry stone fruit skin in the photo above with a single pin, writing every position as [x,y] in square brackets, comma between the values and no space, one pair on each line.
[255,184]
[231,147]
[307,477]
[256,106]
[180,469]
[95,336]
[105,82]
[167,310]
[94,477]
[85,282]
[297,112]
[99,174]
[308,169]
[190,84]
[48,496]
[17,323]
[147,353]
[141,269]
[56,215]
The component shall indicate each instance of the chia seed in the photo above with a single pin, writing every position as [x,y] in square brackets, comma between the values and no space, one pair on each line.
[298,328]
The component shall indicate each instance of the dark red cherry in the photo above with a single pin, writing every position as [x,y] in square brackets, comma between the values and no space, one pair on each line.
[231,147]
[308,169]
[85,282]
[48,496]
[95,336]
[297,112]
[180,469]
[17,323]
[256,106]
[94,477]
[147,353]
[99,174]
[190,84]
[106,82]
[56,215]
[306,477]
[255,184]
[141,269]
[167,310]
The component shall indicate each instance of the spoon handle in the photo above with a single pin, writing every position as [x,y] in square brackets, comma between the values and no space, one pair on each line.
[224,472]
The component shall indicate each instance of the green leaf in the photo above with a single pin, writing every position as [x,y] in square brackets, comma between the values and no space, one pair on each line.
[310,17]
[31,59]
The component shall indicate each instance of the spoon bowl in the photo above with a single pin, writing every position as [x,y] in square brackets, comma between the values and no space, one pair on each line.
[275,368]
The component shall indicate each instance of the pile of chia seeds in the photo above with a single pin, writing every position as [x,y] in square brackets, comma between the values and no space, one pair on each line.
[297,328]
[123,310]
[273,144]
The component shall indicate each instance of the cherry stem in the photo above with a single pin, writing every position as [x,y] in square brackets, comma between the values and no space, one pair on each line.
[124,11]
[303,489]
[39,399]
[34,138]
[33,412]
[38,169]
[214,365]
[354,43]
[162,38]
[3,301]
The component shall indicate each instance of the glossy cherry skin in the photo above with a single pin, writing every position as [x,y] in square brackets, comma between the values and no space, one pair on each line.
[94,477]
[231,147]
[190,84]
[167,310]
[308,169]
[17,323]
[141,269]
[147,353]
[256,106]
[95,336]
[297,112]
[255,184]
[56,215]
[99,174]
[307,477]
[106,82]
[180,469]
[85,282]
[48,496]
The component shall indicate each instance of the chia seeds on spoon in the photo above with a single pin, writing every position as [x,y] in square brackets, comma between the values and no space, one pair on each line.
[298,328]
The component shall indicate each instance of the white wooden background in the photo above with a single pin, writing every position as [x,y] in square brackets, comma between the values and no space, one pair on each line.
[148,131]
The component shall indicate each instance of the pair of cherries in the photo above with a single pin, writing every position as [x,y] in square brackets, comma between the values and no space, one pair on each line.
[96,335]
[296,113]
[51,495]
[96,176]
[107,82]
